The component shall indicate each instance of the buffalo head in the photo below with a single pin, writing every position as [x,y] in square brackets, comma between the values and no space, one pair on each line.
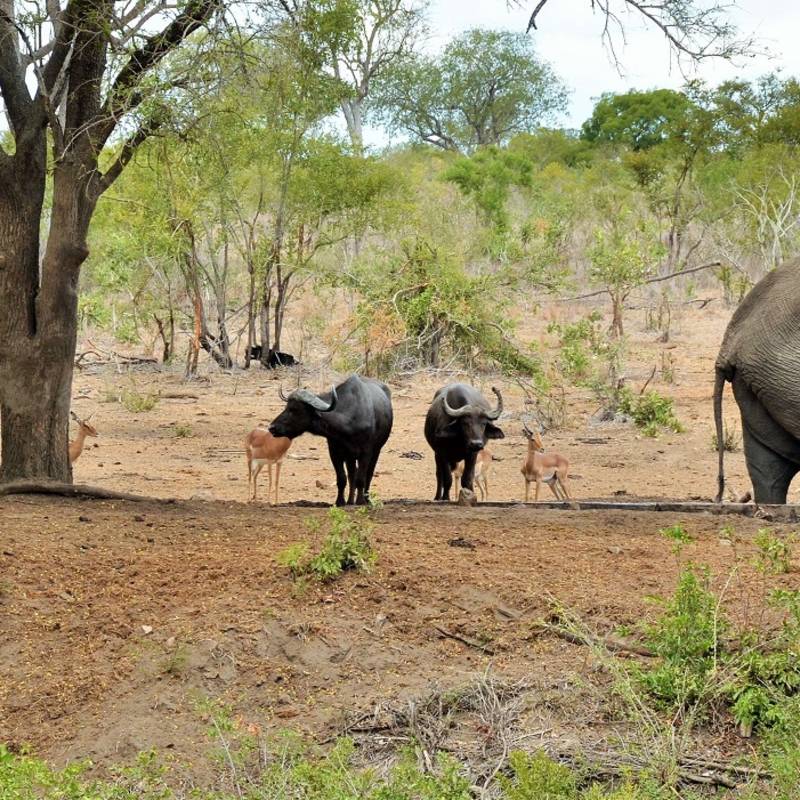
[475,421]
[302,413]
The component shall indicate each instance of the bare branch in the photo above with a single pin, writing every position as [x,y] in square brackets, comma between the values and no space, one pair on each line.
[142,133]
[532,21]
[696,29]
[12,73]
[123,96]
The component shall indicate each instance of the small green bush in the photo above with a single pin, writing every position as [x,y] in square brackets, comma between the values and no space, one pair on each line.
[765,692]
[677,534]
[686,637]
[773,554]
[651,411]
[346,547]
[537,776]
[136,402]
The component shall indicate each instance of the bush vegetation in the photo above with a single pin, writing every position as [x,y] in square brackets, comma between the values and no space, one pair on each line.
[345,546]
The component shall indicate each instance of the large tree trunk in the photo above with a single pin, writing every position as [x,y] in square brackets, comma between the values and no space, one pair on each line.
[39,323]
[353,116]
[35,418]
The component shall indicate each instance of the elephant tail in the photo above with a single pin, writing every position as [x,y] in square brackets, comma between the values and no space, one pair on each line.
[719,386]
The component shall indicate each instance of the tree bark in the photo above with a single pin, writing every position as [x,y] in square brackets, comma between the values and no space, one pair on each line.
[39,323]
[353,117]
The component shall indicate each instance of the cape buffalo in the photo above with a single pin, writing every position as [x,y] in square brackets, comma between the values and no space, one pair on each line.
[356,419]
[275,358]
[457,427]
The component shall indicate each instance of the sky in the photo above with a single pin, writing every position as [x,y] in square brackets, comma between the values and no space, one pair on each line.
[569,37]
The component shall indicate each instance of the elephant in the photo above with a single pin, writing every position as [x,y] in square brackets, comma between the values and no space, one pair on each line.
[760,357]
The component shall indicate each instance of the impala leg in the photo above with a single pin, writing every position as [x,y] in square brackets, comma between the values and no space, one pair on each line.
[538,487]
[255,481]
[277,480]
[527,489]
[565,487]
[269,484]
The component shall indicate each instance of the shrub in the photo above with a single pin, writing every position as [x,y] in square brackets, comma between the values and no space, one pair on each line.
[537,776]
[731,440]
[580,346]
[766,689]
[425,307]
[686,638]
[346,547]
[773,554]
[650,411]
[136,402]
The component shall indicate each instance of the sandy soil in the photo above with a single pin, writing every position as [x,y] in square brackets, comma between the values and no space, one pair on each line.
[117,619]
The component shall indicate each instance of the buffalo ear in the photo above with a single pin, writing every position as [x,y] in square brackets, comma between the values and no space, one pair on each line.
[493,432]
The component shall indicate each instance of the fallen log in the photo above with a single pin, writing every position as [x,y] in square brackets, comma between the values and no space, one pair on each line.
[73,490]
[464,640]
[177,396]
[612,643]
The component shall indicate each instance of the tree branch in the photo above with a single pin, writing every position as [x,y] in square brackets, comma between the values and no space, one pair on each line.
[532,20]
[12,74]
[122,97]
[649,280]
[142,133]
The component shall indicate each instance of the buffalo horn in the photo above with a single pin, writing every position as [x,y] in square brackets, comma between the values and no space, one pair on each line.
[316,402]
[282,394]
[499,410]
[455,412]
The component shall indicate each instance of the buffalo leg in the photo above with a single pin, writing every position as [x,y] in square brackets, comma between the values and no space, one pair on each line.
[468,475]
[372,462]
[337,459]
[352,478]
[361,481]
[444,479]
[769,472]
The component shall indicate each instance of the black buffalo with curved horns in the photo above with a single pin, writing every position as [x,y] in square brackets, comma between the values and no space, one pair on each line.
[356,419]
[458,425]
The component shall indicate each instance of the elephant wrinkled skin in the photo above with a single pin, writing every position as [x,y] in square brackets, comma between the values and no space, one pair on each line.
[760,356]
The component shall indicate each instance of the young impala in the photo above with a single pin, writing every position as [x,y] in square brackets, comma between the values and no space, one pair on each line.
[550,468]
[261,447]
[482,464]
[84,430]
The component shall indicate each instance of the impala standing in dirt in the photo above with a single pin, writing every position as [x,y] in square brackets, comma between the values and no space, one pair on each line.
[261,448]
[482,464]
[541,467]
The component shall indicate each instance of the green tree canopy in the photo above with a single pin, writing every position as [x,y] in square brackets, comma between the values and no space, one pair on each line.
[638,120]
[485,87]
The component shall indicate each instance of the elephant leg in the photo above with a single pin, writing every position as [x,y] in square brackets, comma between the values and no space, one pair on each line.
[772,453]
[769,472]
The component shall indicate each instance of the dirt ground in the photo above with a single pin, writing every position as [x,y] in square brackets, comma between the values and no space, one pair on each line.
[118,619]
